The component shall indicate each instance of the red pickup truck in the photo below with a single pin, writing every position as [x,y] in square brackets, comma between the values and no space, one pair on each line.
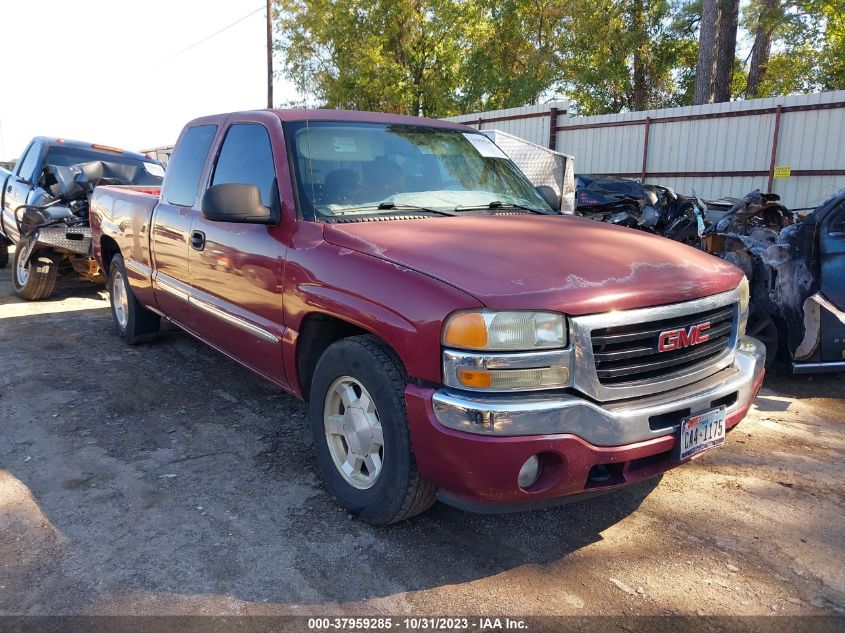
[454,336]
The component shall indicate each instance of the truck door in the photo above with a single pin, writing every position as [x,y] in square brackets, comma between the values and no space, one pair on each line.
[19,186]
[171,223]
[237,269]
[832,252]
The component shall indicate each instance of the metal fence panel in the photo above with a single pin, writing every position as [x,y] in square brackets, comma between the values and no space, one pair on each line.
[723,149]
[529,122]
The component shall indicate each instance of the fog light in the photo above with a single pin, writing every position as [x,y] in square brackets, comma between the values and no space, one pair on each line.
[529,472]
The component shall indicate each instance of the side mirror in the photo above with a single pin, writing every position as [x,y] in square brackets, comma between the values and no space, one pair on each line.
[234,202]
[549,196]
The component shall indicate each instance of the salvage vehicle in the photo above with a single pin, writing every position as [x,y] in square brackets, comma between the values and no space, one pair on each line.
[652,208]
[455,338]
[796,268]
[44,208]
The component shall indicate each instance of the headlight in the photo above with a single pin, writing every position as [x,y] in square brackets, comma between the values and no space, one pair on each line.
[744,298]
[505,331]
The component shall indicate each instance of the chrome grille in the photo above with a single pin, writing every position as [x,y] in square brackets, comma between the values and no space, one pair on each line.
[629,353]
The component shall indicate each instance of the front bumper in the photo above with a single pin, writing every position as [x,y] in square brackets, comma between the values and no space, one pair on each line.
[473,446]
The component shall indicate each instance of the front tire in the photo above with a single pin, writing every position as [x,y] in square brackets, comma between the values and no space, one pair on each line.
[360,430]
[762,327]
[36,279]
[135,323]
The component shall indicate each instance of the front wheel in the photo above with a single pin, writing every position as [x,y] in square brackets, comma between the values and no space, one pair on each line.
[762,327]
[360,430]
[35,279]
[135,323]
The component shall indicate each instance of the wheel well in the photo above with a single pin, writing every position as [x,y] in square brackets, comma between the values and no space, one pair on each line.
[317,332]
[108,248]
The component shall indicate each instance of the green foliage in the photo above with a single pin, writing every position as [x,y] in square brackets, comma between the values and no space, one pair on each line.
[388,55]
[620,55]
[513,61]
[444,57]
[808,53]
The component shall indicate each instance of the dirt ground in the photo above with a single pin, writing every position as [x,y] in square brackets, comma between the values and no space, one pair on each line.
[166,479]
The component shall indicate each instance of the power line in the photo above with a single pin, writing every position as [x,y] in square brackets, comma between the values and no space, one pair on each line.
[208,37]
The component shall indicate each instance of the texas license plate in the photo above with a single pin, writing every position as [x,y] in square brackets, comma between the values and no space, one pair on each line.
[700,432]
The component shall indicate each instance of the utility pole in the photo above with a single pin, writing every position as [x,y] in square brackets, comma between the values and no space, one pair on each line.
[269,53]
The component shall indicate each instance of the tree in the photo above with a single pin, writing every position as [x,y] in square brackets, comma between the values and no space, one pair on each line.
[705,70]
[445,57]
[806,48]
[726,50]
[513,62]
[716,50]
[389,55]
[618,55]
[769,15]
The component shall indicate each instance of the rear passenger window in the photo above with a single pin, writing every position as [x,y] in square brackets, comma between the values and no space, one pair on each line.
[185,168]
[246,158]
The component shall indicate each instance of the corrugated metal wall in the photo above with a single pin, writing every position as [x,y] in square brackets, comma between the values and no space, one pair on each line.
[529,122]
[710,148]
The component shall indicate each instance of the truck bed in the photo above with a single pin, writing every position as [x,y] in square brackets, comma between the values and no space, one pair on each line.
[123,214]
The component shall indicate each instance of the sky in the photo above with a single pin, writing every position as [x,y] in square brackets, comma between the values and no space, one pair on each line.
[107,71]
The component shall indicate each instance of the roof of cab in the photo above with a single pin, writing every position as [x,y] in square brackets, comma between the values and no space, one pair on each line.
[52,141]
[363,117]
[355,116]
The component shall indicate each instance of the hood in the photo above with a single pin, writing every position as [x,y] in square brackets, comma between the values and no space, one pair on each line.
[567,264]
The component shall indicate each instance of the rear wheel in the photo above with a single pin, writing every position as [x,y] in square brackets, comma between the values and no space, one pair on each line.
[135,323]
[360,430]
[35,279]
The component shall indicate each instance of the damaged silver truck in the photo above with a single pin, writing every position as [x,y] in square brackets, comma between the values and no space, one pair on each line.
[796,268]
[44,208]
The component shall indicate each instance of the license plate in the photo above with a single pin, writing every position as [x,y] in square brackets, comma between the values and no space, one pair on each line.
[700,432]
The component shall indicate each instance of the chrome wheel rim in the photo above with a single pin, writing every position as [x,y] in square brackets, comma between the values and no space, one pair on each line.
[21,272]
[119,300]
[353,432]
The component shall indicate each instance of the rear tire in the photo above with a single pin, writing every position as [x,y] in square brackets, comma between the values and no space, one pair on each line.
[4,253]
[360,430]
[37,279]
[135,323]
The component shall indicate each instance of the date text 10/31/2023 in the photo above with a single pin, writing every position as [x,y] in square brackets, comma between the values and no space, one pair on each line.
[422,623]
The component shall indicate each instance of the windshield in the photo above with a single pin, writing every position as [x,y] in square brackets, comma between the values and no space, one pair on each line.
[346,169]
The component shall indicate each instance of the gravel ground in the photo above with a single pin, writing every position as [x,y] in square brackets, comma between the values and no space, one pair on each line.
[166,479]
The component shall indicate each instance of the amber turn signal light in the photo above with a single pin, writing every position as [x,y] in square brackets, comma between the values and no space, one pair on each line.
[475,378]
[467,330]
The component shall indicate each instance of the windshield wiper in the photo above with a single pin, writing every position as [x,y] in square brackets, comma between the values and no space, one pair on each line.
[498,204]
[413,207]
[391,206]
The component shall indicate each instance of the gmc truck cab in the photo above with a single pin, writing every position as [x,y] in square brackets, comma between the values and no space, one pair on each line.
[453,335]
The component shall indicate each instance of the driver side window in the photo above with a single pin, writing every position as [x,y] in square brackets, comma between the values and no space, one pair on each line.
[247,158]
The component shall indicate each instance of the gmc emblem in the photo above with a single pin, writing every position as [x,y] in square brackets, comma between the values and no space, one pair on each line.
[679,339]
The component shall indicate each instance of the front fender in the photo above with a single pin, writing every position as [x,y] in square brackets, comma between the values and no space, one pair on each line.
[403,307]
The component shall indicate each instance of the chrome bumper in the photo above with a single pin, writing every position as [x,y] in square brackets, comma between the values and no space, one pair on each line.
[609,424]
